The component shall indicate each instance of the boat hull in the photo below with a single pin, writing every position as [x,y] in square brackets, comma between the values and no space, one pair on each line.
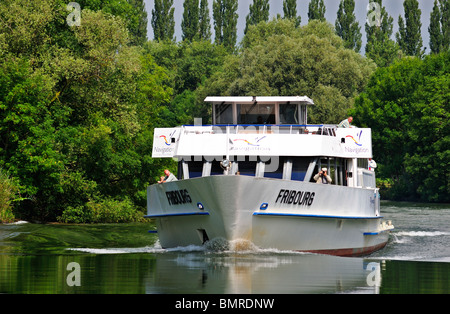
[270,213]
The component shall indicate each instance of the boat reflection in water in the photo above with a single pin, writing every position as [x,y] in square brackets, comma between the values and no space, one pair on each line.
[261,272]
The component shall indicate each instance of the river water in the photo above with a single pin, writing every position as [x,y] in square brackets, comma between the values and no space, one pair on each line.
[123,259]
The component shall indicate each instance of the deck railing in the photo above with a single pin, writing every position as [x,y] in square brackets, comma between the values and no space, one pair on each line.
[313,129]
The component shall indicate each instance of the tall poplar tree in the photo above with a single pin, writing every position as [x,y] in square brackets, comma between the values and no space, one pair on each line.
[259,12]
[163,21]
[290,11]
[434,29]
[347,27]
[445,10]
[204,21]
[439,28]
[190,22]
[409,36]
[379,29]
[140,19]
[225,22]
[316,10]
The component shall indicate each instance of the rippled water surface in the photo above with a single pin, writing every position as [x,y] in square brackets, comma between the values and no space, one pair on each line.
[128,259]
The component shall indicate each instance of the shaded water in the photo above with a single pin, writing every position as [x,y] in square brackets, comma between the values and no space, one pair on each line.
[128,259]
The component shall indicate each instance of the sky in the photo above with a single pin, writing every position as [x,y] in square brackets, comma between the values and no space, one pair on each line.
[394,9]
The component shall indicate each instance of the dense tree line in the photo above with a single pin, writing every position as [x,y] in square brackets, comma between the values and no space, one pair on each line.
[407,106]
[78,103]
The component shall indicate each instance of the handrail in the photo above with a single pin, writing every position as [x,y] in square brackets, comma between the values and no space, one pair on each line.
[322,129]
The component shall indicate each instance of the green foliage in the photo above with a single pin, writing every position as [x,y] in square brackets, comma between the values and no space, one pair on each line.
[316,10]
[76,109]
[131,11]
[189,25]
[8,193]
[380,47]
[225,23]
[163,21]
[280,59]
[409,36]
[347,27]
[259,12]
[290,11]
[407,107]
[196,21]
[103,211]
[439,28]
[189,65]
[204,28]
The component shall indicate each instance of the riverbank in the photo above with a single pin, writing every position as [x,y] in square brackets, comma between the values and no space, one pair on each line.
[32,238]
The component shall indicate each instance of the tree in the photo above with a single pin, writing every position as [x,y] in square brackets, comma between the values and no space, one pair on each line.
[409,36]
[290,11]
[69,96]
[316,10]
[347,27]
[280,59]
[406,105]
[379,29]
[439,27]
[133,12]
[138,27]
[445,10]
[163,21]
[225,22]
[204,21]
[259,12]
[190,23]
[436,36]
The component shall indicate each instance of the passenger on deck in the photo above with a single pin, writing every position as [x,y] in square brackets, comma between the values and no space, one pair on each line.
[346,123]
[169,177]
[322,177]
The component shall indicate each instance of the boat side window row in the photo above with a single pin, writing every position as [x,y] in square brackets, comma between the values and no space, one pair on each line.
[283,167]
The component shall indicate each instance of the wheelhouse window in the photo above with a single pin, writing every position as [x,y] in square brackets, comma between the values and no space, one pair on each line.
[256,113]
[223,114]
[288,114]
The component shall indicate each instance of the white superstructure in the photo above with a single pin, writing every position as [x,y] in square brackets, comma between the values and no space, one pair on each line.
[249,176]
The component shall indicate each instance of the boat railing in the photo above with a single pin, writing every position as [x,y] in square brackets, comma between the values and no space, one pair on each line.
[310,129]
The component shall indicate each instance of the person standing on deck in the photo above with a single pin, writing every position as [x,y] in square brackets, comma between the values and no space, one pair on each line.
[346,123]
[169,177]
[322,177]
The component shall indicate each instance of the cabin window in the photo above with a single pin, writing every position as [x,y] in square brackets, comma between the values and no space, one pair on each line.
[299,168]
[256,113]
[246,167]
[195,169]
[278,172]
[223,114]
[216,169]
[288,114]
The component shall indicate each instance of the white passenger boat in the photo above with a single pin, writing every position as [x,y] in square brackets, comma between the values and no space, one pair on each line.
[250,177]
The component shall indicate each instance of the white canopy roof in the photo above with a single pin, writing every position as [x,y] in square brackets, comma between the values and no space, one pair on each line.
[261,99]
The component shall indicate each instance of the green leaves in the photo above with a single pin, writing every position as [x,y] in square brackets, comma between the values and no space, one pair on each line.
[407,107]
[76,108]
[280,59]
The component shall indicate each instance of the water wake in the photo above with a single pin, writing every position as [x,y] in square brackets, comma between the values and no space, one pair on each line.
[422,233]
[218,245]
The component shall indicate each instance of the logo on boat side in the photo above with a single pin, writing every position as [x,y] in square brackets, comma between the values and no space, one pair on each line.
[170,141]
[251,144]
[295,197]
[178,197]
[357,142]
